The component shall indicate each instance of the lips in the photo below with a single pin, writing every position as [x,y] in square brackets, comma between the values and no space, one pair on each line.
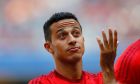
[73,49]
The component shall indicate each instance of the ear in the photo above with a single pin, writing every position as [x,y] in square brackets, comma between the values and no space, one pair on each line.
[48,47]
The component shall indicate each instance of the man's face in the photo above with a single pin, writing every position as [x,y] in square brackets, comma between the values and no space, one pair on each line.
[67,42]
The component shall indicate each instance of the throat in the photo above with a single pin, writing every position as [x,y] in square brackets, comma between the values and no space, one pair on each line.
[71,72]
[73,77]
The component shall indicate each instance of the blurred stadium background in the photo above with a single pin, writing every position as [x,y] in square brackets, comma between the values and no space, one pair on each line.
[22,55]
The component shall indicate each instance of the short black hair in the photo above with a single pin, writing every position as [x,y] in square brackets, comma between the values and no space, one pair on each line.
[55,18]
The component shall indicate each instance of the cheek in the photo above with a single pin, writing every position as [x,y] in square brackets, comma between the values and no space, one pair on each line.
[83,47]
[82,44]
[59,47]
[81,41]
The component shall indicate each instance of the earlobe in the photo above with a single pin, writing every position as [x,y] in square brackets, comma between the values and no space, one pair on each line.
[48,47]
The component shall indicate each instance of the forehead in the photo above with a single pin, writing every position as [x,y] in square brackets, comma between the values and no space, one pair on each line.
[64,23]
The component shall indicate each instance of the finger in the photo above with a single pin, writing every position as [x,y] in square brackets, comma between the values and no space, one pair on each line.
[118,43]
[110,38]
[100,43]
[115,39]
[105,39]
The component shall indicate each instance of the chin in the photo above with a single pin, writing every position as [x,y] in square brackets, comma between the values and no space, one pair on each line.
[74,58]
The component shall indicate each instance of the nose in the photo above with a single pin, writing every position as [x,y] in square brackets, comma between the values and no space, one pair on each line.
[72,40]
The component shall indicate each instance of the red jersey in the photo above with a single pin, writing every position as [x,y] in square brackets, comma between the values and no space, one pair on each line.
[55,78]
[127,67]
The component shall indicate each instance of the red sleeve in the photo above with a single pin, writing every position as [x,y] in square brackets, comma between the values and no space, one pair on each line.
[39,81]
[34,82]
[127,67]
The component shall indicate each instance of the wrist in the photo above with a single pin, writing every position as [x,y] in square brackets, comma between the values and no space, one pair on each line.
[108,76]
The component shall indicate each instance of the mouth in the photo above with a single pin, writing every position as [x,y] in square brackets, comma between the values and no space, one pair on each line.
[73,49]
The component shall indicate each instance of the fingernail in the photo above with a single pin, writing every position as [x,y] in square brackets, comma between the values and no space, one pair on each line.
[98,38]
[117,42]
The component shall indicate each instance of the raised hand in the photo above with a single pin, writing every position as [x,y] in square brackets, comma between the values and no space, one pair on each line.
[107,55]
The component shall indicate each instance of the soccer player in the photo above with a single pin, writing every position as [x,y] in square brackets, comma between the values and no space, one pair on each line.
[65,41]
[127,67]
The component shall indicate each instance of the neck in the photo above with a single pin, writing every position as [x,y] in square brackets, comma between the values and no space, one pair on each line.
[70,71]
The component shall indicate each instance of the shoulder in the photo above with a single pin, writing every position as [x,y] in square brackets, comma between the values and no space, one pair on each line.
[45,78]
[127,56]
[90,75]
[127,66]
[93,78]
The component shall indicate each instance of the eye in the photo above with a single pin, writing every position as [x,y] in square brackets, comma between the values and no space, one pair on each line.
[62,35]
[76,33]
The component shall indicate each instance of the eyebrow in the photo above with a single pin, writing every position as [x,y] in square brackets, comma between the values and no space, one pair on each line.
[59,30]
